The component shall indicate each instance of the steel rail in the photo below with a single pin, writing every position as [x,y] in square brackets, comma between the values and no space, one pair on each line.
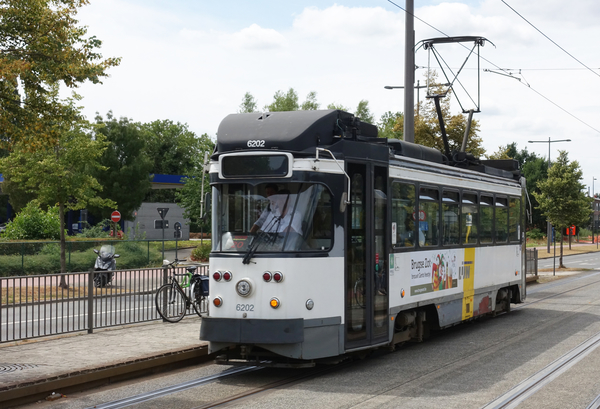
[174,388]
[531,385]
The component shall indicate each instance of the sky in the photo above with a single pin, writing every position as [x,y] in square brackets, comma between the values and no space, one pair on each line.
[192,61]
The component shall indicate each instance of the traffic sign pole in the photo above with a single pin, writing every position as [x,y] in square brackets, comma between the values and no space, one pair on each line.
[115,217]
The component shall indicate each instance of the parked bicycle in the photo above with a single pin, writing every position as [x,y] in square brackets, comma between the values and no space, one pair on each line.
[172,301]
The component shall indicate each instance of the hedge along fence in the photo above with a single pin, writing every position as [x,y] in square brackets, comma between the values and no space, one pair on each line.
[32,258]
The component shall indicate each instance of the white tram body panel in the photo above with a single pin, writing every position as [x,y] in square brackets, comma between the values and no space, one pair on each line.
[304,279]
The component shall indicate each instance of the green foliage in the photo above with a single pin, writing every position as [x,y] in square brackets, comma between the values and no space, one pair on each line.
[561,198]
[42,47]
[533,169]
[535,234]
[202,252]
[387,125]
[190,196]
[427,126]
[32,223]
[248,104]
[44,258]
[173,150]
[95,232]
[363,112]
[311,103]
[284,101]
[124,175]
[338,106]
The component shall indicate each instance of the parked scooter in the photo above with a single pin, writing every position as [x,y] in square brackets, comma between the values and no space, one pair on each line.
[105,264]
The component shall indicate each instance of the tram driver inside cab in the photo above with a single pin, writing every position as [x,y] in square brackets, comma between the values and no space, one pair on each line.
[280,216]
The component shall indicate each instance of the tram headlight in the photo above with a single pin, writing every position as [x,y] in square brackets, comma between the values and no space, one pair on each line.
[274,302]
[243,287]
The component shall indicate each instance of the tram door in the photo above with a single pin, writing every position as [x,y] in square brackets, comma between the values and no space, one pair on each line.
[366,256]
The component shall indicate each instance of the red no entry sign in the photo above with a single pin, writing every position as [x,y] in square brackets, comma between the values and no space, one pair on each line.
[115,216]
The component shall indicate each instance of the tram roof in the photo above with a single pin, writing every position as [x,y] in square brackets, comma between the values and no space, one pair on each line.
[295,131]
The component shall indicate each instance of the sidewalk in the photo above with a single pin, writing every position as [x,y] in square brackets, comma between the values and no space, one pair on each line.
[41,366]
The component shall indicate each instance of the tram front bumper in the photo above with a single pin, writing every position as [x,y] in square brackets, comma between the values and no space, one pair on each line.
[252,331]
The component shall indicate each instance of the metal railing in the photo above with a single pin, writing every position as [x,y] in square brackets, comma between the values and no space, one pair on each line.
[531,262]
[42,305]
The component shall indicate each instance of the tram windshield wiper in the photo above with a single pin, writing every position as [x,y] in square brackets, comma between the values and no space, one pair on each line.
[256,242]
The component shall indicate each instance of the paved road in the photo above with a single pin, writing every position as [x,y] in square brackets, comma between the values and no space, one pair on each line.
[473,365]
[578,261]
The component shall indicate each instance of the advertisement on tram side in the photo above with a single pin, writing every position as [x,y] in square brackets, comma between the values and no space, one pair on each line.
[438,270]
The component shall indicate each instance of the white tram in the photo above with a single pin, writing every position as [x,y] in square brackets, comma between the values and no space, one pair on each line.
[329,241]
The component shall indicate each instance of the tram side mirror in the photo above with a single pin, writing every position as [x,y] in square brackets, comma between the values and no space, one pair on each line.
[343,202]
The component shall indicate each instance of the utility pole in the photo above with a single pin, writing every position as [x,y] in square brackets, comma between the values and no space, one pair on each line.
[409,72]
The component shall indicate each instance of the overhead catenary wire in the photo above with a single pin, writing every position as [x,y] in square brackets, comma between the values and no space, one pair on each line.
[551,40]
[507,72]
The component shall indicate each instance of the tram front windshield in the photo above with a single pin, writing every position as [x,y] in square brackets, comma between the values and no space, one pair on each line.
[271,217]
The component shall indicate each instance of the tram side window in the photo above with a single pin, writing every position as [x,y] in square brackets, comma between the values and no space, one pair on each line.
[501,219]
[486,219]
[514,207]
[469,218]
[429,216]
[450,218]
[403,209]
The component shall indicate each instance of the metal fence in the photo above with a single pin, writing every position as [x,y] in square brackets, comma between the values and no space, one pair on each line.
[42,305]
[531,262]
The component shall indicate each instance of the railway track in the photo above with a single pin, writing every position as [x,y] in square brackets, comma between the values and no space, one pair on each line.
[510,399]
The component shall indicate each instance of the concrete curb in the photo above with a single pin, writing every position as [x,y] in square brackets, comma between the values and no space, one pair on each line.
[32,391]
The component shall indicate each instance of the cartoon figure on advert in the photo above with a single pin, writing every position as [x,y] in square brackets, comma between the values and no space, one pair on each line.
[443,274]
[435,274]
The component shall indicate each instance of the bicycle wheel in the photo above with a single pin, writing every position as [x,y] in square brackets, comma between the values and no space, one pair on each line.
[196,297]
[359,292]
[170,303]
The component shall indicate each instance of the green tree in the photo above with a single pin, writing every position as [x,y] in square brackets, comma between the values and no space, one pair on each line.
[172,149]
[311,103]
[248,104]
[42,46]
[284,101]
[337,106]
[387,125]
[363,112]
[126,167]
[60,172]
[190,195]
[561,198]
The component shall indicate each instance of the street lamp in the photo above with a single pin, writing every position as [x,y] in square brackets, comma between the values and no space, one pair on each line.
[549,142]
[417,87]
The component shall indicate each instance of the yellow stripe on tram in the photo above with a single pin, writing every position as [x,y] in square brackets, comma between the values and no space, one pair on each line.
[468,283]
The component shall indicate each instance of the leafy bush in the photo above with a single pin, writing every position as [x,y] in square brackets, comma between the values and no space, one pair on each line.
[95,232]
[202,252]
[535,234]
[32,223]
